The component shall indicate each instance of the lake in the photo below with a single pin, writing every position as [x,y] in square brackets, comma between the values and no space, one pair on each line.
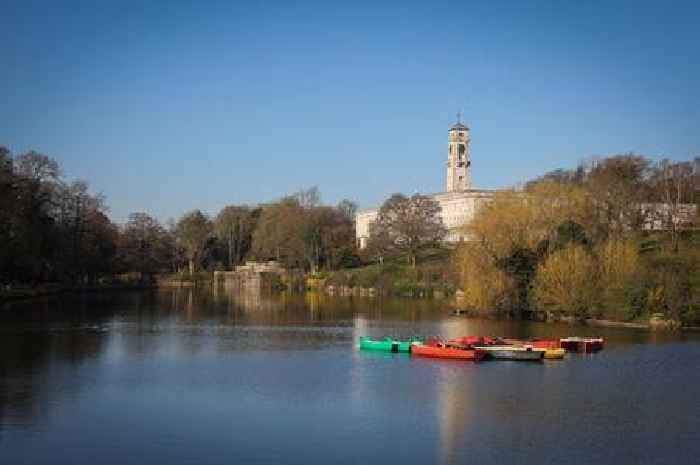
[201,377]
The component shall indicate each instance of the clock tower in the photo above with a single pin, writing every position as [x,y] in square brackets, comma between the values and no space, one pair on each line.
[458,158]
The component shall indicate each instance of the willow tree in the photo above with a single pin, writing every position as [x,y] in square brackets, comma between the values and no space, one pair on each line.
[566,282]
[517,229]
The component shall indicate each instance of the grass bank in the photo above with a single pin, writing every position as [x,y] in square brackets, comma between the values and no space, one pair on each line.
[432,276]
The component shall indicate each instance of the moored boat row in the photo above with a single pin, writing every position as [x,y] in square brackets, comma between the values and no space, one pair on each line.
[477,348]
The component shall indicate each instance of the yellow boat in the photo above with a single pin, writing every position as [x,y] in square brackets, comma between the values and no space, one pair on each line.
[554,353]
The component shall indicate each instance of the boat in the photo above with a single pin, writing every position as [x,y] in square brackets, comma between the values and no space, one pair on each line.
[512,352]
[387,344]
[442,350]
[537,343]
[471,341]
[554,354]
[582,344]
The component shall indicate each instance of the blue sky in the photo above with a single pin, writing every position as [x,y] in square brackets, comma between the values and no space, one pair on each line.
[170,106]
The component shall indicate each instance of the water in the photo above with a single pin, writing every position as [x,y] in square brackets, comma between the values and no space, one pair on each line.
[184,377]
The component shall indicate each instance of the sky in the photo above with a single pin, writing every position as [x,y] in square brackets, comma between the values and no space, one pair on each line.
[169,106]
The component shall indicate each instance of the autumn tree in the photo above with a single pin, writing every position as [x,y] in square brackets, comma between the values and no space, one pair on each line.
[192,232]
[408,224]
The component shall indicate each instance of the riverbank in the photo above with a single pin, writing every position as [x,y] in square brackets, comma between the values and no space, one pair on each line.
[433,276]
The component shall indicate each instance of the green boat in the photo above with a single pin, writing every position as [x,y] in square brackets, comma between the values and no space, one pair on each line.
[388,344]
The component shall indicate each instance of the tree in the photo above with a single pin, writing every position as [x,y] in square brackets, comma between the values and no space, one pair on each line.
[348,208]
[673,187]
[81,223]
[37,166]
[516,230]
[619,277]
[234,226]
[145,245]
[279,233]
[566,284]
[192,232]
[618,186]
[408,224]
[33,239]
[485,285]
[308,198]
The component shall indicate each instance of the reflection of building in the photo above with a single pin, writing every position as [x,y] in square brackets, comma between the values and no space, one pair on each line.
[459,202]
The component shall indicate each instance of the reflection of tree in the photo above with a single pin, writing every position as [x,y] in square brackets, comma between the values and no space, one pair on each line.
[60,334]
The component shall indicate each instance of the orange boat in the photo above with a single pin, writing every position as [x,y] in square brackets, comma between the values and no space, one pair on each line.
[441,350]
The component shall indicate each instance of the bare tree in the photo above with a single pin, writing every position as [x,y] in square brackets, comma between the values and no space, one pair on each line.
[673,190]
[193,231]
[619,185]
[407,224]
[234,225]
[308,198]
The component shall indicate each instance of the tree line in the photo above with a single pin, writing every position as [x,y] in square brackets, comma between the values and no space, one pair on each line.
[615,237]
[55,230]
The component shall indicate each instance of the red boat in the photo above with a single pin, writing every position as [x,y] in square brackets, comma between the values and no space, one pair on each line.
[582,344]
[441,350]
[470,341]
[535,343]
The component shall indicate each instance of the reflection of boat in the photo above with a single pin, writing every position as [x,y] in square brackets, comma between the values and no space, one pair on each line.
[441,350]
[512,352]
[582,344]
[388,344]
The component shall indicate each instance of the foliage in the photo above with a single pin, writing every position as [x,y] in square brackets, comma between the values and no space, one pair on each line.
[609,239]
[563,283]
[485,285]
[309,237]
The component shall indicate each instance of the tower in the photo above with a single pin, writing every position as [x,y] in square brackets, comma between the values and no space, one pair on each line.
[458,159]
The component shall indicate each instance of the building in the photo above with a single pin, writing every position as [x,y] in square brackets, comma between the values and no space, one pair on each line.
[459,202]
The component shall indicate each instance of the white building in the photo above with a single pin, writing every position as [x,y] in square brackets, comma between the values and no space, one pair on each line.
[459,202]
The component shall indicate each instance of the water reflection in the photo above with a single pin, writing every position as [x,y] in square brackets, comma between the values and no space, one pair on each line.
[254,365]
